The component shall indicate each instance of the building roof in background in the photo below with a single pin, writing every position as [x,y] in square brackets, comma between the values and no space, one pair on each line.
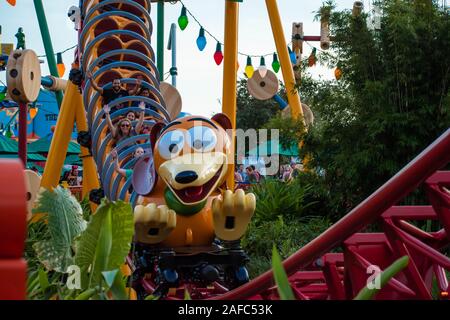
[8,145]
[30,156]
[272,147]
[73,159]
[43,146]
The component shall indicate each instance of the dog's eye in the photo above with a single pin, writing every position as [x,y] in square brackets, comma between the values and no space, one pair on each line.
[203,139]
[171,144]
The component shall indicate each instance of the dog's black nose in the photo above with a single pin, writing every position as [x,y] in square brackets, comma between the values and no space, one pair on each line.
[186,177]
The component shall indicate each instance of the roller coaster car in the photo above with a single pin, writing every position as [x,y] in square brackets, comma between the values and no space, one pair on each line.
[187,231]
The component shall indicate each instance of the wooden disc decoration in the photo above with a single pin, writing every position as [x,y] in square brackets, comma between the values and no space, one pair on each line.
[33,181]
[307,113]
[172,98]
[23,76]
[263,88]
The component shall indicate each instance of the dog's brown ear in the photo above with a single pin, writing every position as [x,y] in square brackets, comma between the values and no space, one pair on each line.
[223,120]
[155,132]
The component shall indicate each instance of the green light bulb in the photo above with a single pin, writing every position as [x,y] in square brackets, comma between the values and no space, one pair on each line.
[183,19]
[276,64]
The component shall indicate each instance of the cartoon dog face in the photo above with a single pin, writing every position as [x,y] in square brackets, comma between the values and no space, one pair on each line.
[191,156]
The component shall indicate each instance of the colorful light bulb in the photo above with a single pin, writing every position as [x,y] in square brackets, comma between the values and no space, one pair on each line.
[3,94]
[60,65]
[218,55]
[292,56]
[249,70]
[337,73]
[33,112]
[312,58]
[262,68]
[183,19]
[201,40]
[276,64]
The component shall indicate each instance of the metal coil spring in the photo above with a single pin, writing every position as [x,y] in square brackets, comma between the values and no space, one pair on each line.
[115,42]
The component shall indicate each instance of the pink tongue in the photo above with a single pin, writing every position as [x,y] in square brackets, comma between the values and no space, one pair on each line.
[193,191]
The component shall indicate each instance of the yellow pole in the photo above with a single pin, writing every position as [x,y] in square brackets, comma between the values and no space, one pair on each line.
[285,61]
[230,74]
[90,176]
[61,138]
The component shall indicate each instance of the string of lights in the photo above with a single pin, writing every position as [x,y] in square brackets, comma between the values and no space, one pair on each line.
[61,52]
[183,22]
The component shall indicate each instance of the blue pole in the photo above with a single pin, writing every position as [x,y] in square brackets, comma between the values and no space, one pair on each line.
[283,104]
[173,46]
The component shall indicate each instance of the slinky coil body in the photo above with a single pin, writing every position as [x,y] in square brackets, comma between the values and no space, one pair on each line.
[114,42]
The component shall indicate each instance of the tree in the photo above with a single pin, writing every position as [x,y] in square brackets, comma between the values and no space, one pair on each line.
[391,102]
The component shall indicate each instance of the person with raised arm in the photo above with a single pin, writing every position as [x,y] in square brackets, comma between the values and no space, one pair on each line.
[115,92]
[126,173]
[124,128]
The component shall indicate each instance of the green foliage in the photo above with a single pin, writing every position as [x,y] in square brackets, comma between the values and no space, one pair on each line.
[288,235]
[115,283]
[290,130]
[369,293]
[275,198]
[86,207]
[113,226]
[281,279]
[391,102]
[284,217]
[105,242]
[65,222]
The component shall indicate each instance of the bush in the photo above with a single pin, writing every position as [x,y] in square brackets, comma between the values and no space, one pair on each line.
[275,198]
[288,235]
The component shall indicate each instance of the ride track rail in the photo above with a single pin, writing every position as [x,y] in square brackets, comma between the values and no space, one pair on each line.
[115,41]
[399,238]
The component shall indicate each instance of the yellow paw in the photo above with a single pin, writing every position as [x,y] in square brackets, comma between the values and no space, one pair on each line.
[152,224]
[232,213]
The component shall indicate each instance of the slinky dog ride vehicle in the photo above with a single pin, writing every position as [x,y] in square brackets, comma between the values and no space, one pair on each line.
[187,233]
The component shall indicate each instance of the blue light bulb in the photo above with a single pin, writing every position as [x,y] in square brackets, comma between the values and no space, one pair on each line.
[201,40]
[292,56]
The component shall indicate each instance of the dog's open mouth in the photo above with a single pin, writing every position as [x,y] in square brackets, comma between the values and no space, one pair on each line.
[198,193]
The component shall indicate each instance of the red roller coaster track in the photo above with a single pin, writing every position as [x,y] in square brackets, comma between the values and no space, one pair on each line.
[314,273]
[342,275]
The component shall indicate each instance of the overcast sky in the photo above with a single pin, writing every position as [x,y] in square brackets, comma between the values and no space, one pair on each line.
[200,79]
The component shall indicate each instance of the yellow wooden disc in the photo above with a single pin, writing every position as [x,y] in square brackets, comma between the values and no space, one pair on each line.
[23,76]
[263,88]
[172,98]
[33,181]
[307,113]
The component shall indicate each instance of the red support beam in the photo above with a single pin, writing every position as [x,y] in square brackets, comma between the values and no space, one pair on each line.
[410,177]
[23,133]
[13,212]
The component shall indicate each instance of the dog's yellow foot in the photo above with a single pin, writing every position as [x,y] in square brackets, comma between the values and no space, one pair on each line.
[232,213]
[153,223]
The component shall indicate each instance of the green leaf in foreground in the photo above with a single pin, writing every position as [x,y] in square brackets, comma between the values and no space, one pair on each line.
[105,243]
[65,222]
[114,280]
[281,279]
[43,280]
[368,293]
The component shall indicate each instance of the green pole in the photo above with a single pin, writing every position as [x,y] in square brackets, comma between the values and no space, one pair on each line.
[40,13]
[160,41]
